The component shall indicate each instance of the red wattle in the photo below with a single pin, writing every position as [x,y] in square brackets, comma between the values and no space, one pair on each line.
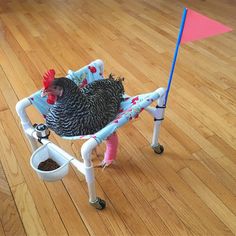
[51,99]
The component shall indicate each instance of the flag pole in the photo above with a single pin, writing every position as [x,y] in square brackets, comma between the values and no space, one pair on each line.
[176,53]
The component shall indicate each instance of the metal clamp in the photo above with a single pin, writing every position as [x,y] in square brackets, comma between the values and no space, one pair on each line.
[42,131]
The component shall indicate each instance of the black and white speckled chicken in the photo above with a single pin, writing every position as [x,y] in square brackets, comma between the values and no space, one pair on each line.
[81,111]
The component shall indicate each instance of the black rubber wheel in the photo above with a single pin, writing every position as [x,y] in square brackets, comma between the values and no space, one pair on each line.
[158,149]
[99,204]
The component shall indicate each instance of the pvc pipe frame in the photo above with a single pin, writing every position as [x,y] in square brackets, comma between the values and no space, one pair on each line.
[85,168]
[158,113]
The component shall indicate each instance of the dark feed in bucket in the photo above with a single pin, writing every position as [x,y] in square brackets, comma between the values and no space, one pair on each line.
[48,165]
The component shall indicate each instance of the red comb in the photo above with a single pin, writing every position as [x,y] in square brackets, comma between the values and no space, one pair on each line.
[48,78]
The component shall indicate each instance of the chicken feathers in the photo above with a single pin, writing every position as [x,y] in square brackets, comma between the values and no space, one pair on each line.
[87,110]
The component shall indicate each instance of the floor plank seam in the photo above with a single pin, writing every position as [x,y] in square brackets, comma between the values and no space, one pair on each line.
[12,195]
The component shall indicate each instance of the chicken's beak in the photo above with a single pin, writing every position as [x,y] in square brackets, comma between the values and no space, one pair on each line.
[44,93]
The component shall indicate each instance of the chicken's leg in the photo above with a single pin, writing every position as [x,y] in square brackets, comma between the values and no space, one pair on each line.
[111,151]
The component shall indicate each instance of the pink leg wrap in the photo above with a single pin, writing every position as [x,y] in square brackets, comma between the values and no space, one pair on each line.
[111,149]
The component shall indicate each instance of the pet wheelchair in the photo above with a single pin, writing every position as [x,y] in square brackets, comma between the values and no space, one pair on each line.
[129,109]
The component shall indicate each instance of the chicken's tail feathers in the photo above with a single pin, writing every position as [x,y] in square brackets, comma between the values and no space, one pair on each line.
[119,78]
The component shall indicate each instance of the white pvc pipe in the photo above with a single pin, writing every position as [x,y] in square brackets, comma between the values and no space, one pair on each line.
[161,92]
[20,109]
[158,114]
[101,64]
[151,110]
[78,165]
[92,192]
[33,143]
[156,131]
[25,121]
[86,151]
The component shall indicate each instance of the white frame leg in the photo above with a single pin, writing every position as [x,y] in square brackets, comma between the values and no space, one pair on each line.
[86,151]
[158,118]
[86,167]
[33,142]
[158,114]
[25,121]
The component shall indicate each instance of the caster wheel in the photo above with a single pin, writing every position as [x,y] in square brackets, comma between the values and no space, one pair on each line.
[158,149]
[99,204]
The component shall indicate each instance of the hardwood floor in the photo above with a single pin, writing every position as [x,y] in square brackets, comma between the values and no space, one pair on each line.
[191,188]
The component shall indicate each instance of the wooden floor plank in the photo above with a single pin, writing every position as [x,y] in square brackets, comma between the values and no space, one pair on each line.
[65,207]
[214,203]
[213,120]
[9,161]
[116,223]
[178,188]
[212,181]
[222,174]
[93,220]
[127,211]
[223,145]
[1,230]
[190,189]
[213,151]
[150,218]
[3,103]
[10,220]
[27,210]
[166,189]
[7,91]
[169,217]
[42,199]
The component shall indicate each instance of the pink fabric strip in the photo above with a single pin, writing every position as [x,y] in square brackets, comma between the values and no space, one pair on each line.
[111,148]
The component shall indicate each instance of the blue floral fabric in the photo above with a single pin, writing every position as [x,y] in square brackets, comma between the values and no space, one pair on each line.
[129,109]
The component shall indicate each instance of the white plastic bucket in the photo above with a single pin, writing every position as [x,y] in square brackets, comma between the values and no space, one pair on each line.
[42,154]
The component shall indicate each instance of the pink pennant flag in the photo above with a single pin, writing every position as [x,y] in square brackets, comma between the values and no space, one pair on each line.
[198,26]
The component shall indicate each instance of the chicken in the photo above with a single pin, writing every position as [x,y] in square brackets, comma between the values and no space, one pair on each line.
[81,111]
